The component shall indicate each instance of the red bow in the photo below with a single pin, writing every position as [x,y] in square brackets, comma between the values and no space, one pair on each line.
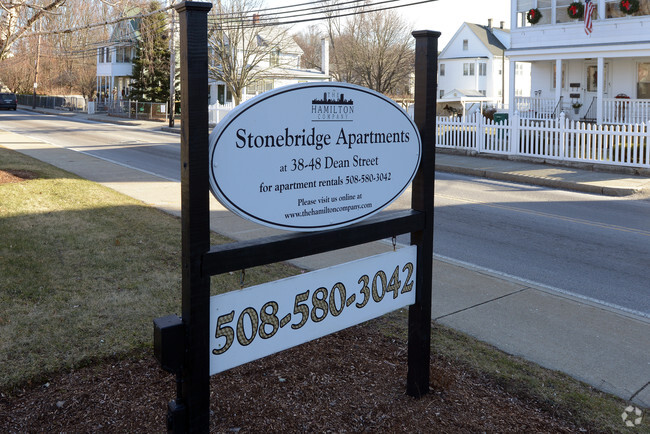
[573,10]
[626,4]
[532,13]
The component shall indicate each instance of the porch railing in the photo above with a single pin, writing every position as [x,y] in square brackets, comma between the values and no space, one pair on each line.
[626,111]
[554,139]
[535,107]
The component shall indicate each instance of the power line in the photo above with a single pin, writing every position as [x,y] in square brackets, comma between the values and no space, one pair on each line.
[243,23]
[317,15]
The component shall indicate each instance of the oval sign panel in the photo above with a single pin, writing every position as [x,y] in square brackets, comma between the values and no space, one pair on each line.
[313,156]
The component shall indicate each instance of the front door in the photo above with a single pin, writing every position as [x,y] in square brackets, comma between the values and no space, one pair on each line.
[591,88]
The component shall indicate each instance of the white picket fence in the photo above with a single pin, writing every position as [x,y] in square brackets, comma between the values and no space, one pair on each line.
[553,139]
[217,111]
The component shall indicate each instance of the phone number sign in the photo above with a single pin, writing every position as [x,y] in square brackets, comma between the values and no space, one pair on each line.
[255,322]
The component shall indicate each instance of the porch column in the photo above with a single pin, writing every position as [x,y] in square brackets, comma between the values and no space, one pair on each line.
[600,86]
[511,88]
[553,11]
[601,9]
[558,80]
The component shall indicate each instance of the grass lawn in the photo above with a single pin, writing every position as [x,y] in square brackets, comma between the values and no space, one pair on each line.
[83,271]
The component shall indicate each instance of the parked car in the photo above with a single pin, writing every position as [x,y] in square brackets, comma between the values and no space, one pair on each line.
[8,101]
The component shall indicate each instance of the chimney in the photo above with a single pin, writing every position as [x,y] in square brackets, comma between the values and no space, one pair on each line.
[256,19]
[325,56]
[490,23]
[501,24]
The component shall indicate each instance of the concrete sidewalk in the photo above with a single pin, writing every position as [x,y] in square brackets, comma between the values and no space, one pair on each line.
[596,344]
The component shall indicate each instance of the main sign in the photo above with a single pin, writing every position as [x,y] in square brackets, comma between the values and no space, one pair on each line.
[313,156]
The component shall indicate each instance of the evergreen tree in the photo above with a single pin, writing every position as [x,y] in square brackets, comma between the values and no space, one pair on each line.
[150,72]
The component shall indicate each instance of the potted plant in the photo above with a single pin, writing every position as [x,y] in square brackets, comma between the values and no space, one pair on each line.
[629,6]
[576,107]
[576,10]
[533,16]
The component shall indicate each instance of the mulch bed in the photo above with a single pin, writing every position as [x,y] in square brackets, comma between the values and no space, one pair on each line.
[351,381]
[11,176]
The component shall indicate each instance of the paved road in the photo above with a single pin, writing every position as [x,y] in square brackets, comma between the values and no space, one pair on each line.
[153,151]
[592,246]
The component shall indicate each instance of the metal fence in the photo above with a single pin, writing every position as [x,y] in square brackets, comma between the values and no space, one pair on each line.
[555,139]
[69,103]
[135,110]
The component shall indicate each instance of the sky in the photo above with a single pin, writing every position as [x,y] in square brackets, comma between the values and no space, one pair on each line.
[444,16]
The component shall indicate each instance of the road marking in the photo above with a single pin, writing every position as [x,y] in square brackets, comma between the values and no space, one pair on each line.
[639,315]
[548,215]
[542,287]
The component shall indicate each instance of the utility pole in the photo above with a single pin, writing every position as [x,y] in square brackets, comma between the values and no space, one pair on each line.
[38,61]
[172,72]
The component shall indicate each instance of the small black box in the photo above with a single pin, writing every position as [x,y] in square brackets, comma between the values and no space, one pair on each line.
[169,342]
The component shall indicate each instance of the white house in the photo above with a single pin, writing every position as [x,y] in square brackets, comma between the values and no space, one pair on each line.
[114,62]
[473,70]
[281,68]
[605,73]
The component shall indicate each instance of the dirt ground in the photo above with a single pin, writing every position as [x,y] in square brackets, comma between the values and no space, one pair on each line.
[351,381]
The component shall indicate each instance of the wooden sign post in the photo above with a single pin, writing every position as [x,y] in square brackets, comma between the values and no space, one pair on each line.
[182,345]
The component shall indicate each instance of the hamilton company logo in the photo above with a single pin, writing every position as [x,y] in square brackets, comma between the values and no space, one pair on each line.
[332,107]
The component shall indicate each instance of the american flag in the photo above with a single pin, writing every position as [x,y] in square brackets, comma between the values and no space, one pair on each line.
[589,9]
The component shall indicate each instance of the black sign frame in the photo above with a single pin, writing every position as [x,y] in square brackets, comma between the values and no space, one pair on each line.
[189,335]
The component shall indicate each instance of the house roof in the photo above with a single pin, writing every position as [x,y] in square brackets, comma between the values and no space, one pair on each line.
[463,95]
[488,38]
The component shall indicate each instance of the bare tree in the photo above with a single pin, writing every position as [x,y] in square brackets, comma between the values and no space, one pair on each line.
[372,49]
[384,49]
[244,48]
[18,16]
[309,41]
[71,33]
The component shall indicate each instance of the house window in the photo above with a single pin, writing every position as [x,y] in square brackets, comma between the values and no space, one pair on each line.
[483,92]
[442,69]
[643,81]
[613,10]
[592,78]
[259,87]
[482,69]
[465,45]
[523,6]
[441,93]
[561,12]
[468,69]
[108,54]
[519,68]
[275,58]
[123,54]
[100,55]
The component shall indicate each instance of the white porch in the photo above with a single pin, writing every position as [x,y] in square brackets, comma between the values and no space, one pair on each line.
[605,90]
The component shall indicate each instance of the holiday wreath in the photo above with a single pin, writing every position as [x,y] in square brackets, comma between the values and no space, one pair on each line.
[533,16]
[576,10]
[629,6]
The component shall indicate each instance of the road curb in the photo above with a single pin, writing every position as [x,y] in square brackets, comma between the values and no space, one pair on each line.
[539,181]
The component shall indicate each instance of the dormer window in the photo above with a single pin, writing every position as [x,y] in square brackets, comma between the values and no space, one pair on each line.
[465,45]
[275,57]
